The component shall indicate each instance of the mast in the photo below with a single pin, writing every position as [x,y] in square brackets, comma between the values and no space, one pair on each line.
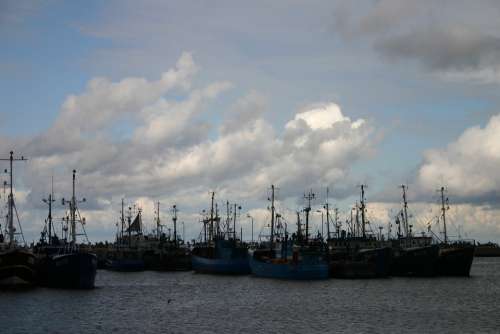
[443,210]
[272,217]
[363,207]
[72,208]
[228,218]
[174,218]
[11,205]
[158,235]
[299,228]
[211,227]
[327,216]
[337,225]
[234,222]
[129,220]
[405,210]
[49,201]
[123,223]
[357,219]
[309,197]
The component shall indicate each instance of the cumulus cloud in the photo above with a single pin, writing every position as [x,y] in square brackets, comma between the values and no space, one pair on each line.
[468,166]
[454,39]
[132,139]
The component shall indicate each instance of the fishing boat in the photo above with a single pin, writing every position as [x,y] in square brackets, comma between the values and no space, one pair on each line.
[63,263]
[455,257]
[356,253]
[166,252]
[126,254]
[283,258]
[413,255]
[488,249]
[17,262]
[220,251]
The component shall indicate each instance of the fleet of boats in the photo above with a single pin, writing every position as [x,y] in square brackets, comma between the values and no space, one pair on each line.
[350,250]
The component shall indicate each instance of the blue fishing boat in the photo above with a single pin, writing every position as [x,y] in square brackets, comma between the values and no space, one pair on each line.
[284,258]
[221,252]
[301,266]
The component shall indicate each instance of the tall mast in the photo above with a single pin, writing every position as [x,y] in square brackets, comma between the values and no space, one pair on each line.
[174,218]
[272,217]
[337,225]
[234,222]
[443,210]
[309,197]
[363,207]
[327,216]
[49,201]
[11,205]
[211,227]
[123,223]
[353,226]
[405,210]
[72,208]
[158,234]
[228,218]
[299,228]
[129,220]
[357,219]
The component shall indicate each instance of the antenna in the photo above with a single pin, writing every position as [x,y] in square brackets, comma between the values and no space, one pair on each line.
[310,196]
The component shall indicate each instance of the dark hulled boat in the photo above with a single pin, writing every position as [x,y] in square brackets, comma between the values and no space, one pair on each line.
[126,254]
[17,266]
[166,253]
[413,256]
[220,252]
[357,254]
[455,258]
[67,267]
[418,261]
[487,250]
[17,263]
[63,264]
[294,259]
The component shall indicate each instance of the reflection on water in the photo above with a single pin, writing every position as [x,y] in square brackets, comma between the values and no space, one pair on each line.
[160,302]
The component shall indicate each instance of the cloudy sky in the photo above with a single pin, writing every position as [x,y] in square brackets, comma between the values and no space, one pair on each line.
[166,101]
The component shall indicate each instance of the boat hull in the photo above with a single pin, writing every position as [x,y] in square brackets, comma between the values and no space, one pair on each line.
[455,260]
[17,266]
[370,263]
[289,270]
[237,266]
[168,260]
[70,271]
[417,261]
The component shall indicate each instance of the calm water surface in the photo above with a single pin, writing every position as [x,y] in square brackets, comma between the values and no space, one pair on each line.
[156,302]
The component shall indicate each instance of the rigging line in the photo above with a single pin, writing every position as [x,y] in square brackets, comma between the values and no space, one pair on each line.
[18,222]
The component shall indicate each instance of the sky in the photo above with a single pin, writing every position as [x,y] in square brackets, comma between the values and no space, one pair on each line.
[167,101]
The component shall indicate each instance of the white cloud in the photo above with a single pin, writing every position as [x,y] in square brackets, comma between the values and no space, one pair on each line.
[468,166]
[174,153]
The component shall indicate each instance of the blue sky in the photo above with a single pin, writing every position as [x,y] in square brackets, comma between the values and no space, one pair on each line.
[418,80]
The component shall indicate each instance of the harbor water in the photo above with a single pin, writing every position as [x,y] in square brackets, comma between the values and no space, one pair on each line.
[184,302]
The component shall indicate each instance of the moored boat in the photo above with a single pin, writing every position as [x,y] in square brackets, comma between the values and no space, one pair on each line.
[455,258]
[17,263]
[413,256]
[63,263]
[221,252]
[357,254]
[283,258]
